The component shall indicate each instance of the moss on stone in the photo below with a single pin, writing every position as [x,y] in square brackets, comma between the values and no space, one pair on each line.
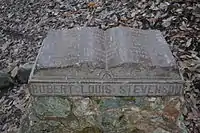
[91,130]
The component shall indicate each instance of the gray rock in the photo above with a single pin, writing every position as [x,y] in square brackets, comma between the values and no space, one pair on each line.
[24,72]
[5,80]
[85,115]
[14,72]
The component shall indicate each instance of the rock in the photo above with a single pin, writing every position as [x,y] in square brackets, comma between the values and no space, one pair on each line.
[85,115]
[5,80]
[171,111]
[91,130]
[14,72]
[159,130]
[24,73]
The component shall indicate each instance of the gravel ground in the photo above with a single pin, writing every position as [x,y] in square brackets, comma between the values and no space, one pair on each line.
[24,24]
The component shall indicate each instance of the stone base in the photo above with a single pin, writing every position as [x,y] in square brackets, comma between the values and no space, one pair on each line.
[103,115]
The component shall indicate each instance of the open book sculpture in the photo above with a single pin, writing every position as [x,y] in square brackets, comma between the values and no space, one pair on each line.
[120,61]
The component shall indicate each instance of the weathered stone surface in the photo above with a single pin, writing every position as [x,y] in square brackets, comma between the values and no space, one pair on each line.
[14,72]
[118,62]
[5,80]
[24,72]
[104,115]
[107,63]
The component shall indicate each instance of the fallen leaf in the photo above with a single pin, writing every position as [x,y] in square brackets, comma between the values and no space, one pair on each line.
[189,42]
[170,112]
[92,5]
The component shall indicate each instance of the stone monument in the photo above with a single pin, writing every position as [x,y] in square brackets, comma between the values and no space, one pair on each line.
[116,62]
[87,80]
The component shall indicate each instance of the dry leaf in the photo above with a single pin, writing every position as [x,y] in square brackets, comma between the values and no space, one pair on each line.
[189,42]
[92,5]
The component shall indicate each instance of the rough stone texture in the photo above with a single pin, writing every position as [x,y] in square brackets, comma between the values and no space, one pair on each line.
[5,80]
[101,114]
[104,115]
[24,72]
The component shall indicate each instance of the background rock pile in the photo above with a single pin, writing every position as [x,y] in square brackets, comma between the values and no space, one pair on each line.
[24,24]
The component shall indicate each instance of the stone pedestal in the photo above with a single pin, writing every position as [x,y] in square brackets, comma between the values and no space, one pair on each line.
[92,62]
[104,115]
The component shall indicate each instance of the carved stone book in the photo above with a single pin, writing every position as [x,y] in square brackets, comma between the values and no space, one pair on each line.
[120,61]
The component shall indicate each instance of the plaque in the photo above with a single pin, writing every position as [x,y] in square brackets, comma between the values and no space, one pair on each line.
[120,61]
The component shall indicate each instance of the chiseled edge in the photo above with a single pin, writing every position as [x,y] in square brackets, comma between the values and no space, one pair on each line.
[36,60]
[176,63]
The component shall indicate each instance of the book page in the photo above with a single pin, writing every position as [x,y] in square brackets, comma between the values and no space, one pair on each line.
[73,46]
[91,46]
[123,47]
